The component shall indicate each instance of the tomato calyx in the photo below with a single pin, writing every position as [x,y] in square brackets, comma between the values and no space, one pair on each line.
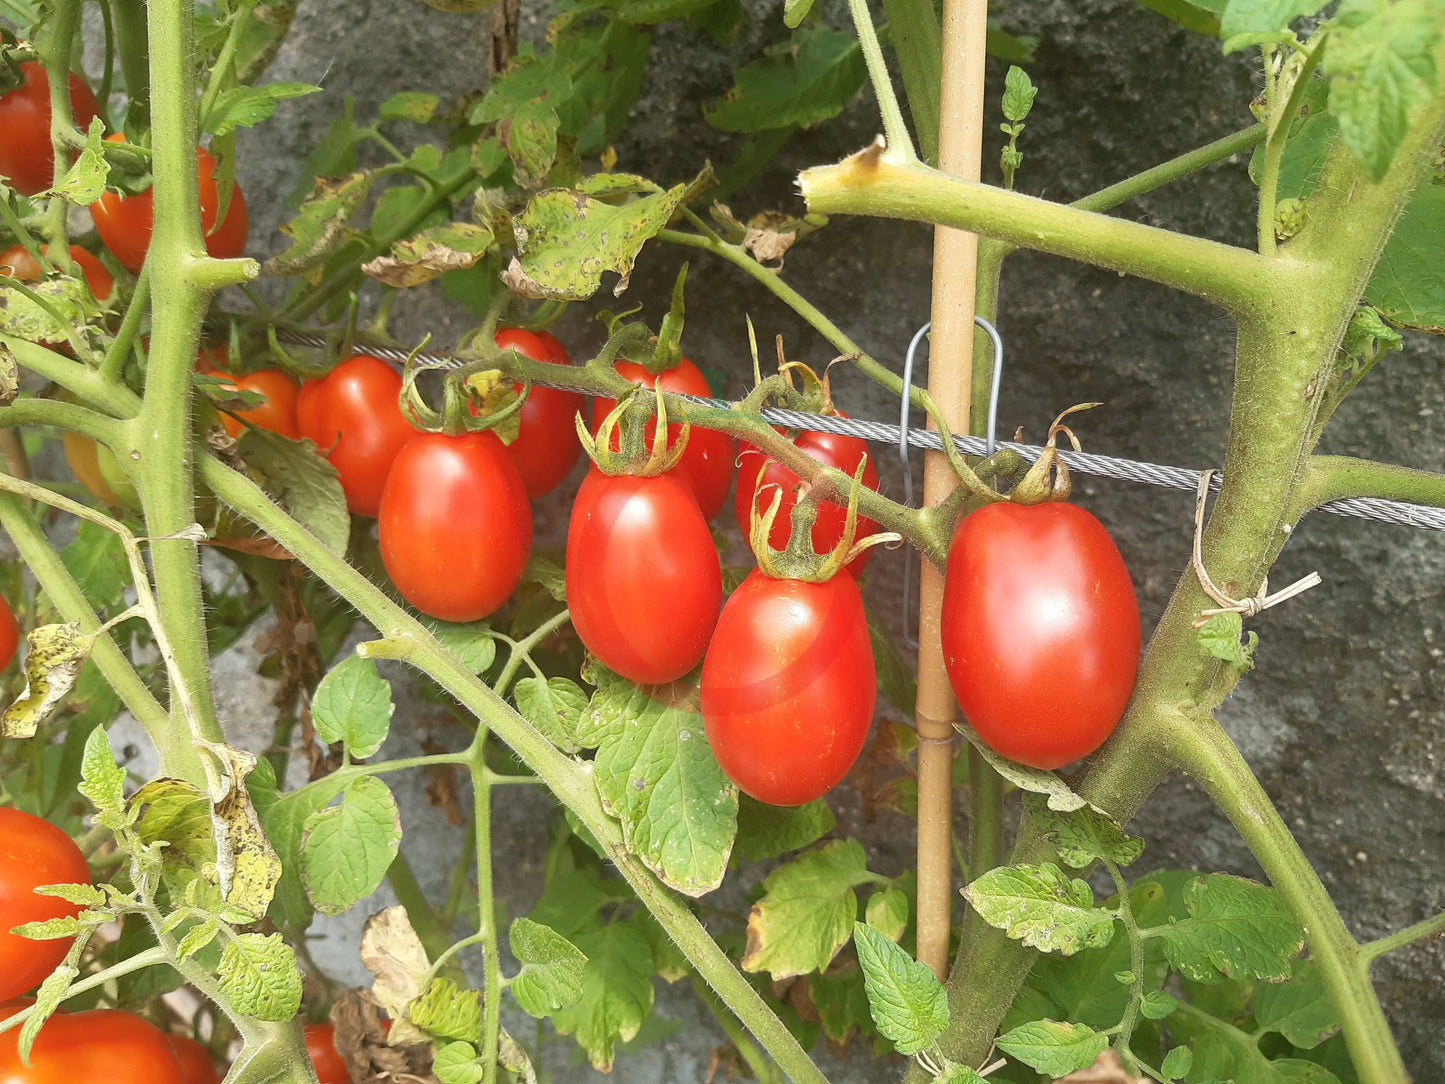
[634,457]
[1048,479]
[798,560]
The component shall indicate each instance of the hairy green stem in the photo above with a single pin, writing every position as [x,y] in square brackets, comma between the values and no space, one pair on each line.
[486,905]
[893,126]
[1176,168]
[763,1070]
[1335,477]
[917,38]
[1136,965]
[1279,127]
[1429,928]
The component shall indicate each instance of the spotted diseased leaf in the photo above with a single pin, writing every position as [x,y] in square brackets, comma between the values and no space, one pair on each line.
[908,1003]
[802,81]
[392,951]
[409,106]
[530,136]
[247,867]
[1052,1048]
[1042,907]
[552,968]
[554,707]
[322,224]
[259,977]
[566,241]
[63,305]
[1236,929]
[53,658]
[617,991]
[84,181]
[302,482]
[9,376]
[807,911]
[1085,835]
[455,246]
[347,849]
[353,705]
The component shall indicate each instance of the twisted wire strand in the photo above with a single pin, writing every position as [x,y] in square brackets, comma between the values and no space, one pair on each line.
[1103,466]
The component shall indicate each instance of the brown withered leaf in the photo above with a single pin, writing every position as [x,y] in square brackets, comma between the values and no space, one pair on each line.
[361,1040]
[770,234]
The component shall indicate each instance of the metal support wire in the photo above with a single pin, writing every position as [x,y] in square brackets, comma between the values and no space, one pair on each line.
[1103,466]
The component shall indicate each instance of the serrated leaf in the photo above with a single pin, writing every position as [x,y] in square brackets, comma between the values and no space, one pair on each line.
[347,849]
[807,911]
[842,1002]
[409,106]
[259,977]
[887,911]
[768,831]
[1018,94]
[198,937]
[53,658]
[47,1000]
[801,81]
[1381,62]
[1035,780]
[908,1003]
[1300,1009]
[285,824]
[567,241]
[953,1073]
[1084,836]
[97,560]
[353,705]
[302,482]
[617,992]
[547,572]
[1042,907]
[448,1011]
[453,246]
[1220,635]
[552,968]
[554,707]
[656,774]
[1236,928]
[322,223]
[472,644]
[84,181]
[247,106]
[456,1063]
[1053,1048]
[82,895]
[102,780]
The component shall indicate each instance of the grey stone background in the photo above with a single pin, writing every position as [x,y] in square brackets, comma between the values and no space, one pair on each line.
[1343,716]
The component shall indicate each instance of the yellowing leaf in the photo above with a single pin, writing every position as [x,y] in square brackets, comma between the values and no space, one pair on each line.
[53,660]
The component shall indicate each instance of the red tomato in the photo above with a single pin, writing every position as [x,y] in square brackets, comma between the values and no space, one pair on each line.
[707,464]
[277,414]
[27,159]
[9,633]
[33,852]
[196,1064]
[828,449]
[18,263]
[455,528]
[353,416]
[643,579]
[788,686]
[99,1045]
[125,222]
[1040,630]
[330,1066]
[546,448]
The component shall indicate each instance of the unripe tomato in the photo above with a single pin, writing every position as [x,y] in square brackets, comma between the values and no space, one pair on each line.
[643,579]
[546,447]
[1040,630]
[455,527]
[33,852]
[9,633]
[829,449]
[353,416]
[196,1064]
[707,463]
[277,413]
[27,160]
[125,223]
[99,1045]
[330,1066]
[789,686]
[19,264]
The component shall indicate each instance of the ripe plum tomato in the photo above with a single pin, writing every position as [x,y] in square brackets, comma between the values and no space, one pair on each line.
[789,686]
[9,633]
[546,448]
[18,263]
[1040,630]
[707,463]
[33,852]
[643,579]
[829,449]
[277,413]
[330,1066]
[353,416]
[100,1044]
[455,528]
[196,1064]
[125,222]
[27,160]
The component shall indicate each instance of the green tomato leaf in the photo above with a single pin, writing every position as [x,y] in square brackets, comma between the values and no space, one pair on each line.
[909,1005]
[554,707]
[1052,1048]
[1042,907]
[1059,796]
[1263,16]
[887,911]
[448,1011]
[841,999]
[1220,638]
[302,482]
[247,106]
[807,911]
[179,814]
[456,1063]
[1156,1005]
[1235,928]
[333,156]
[1202,18]
[97,561]
[347,849]
[102,780]
[409,106]
[895,675]
[617,992]
[1019,93]
[807,79]
[770,831]
[66,303]
[285,823]
[472,643]
[1085,835]
[552,968]
[1177,1063]
[1300,1009]
[1407,285]
[353,705]
[259,977]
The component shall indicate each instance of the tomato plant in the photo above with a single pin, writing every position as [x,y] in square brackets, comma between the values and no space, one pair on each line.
[99,1044]
[197,1066]
[1040,630]
[33,852]
[330,1066]
[707,462]
[546,448]
[643,579]
[454,525]
[125,222]
[23,266]
[788,686]
[762,474]
[9,633]
[353,416]
[27,160]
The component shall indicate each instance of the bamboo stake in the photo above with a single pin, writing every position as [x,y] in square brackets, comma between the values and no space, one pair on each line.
[950,354]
